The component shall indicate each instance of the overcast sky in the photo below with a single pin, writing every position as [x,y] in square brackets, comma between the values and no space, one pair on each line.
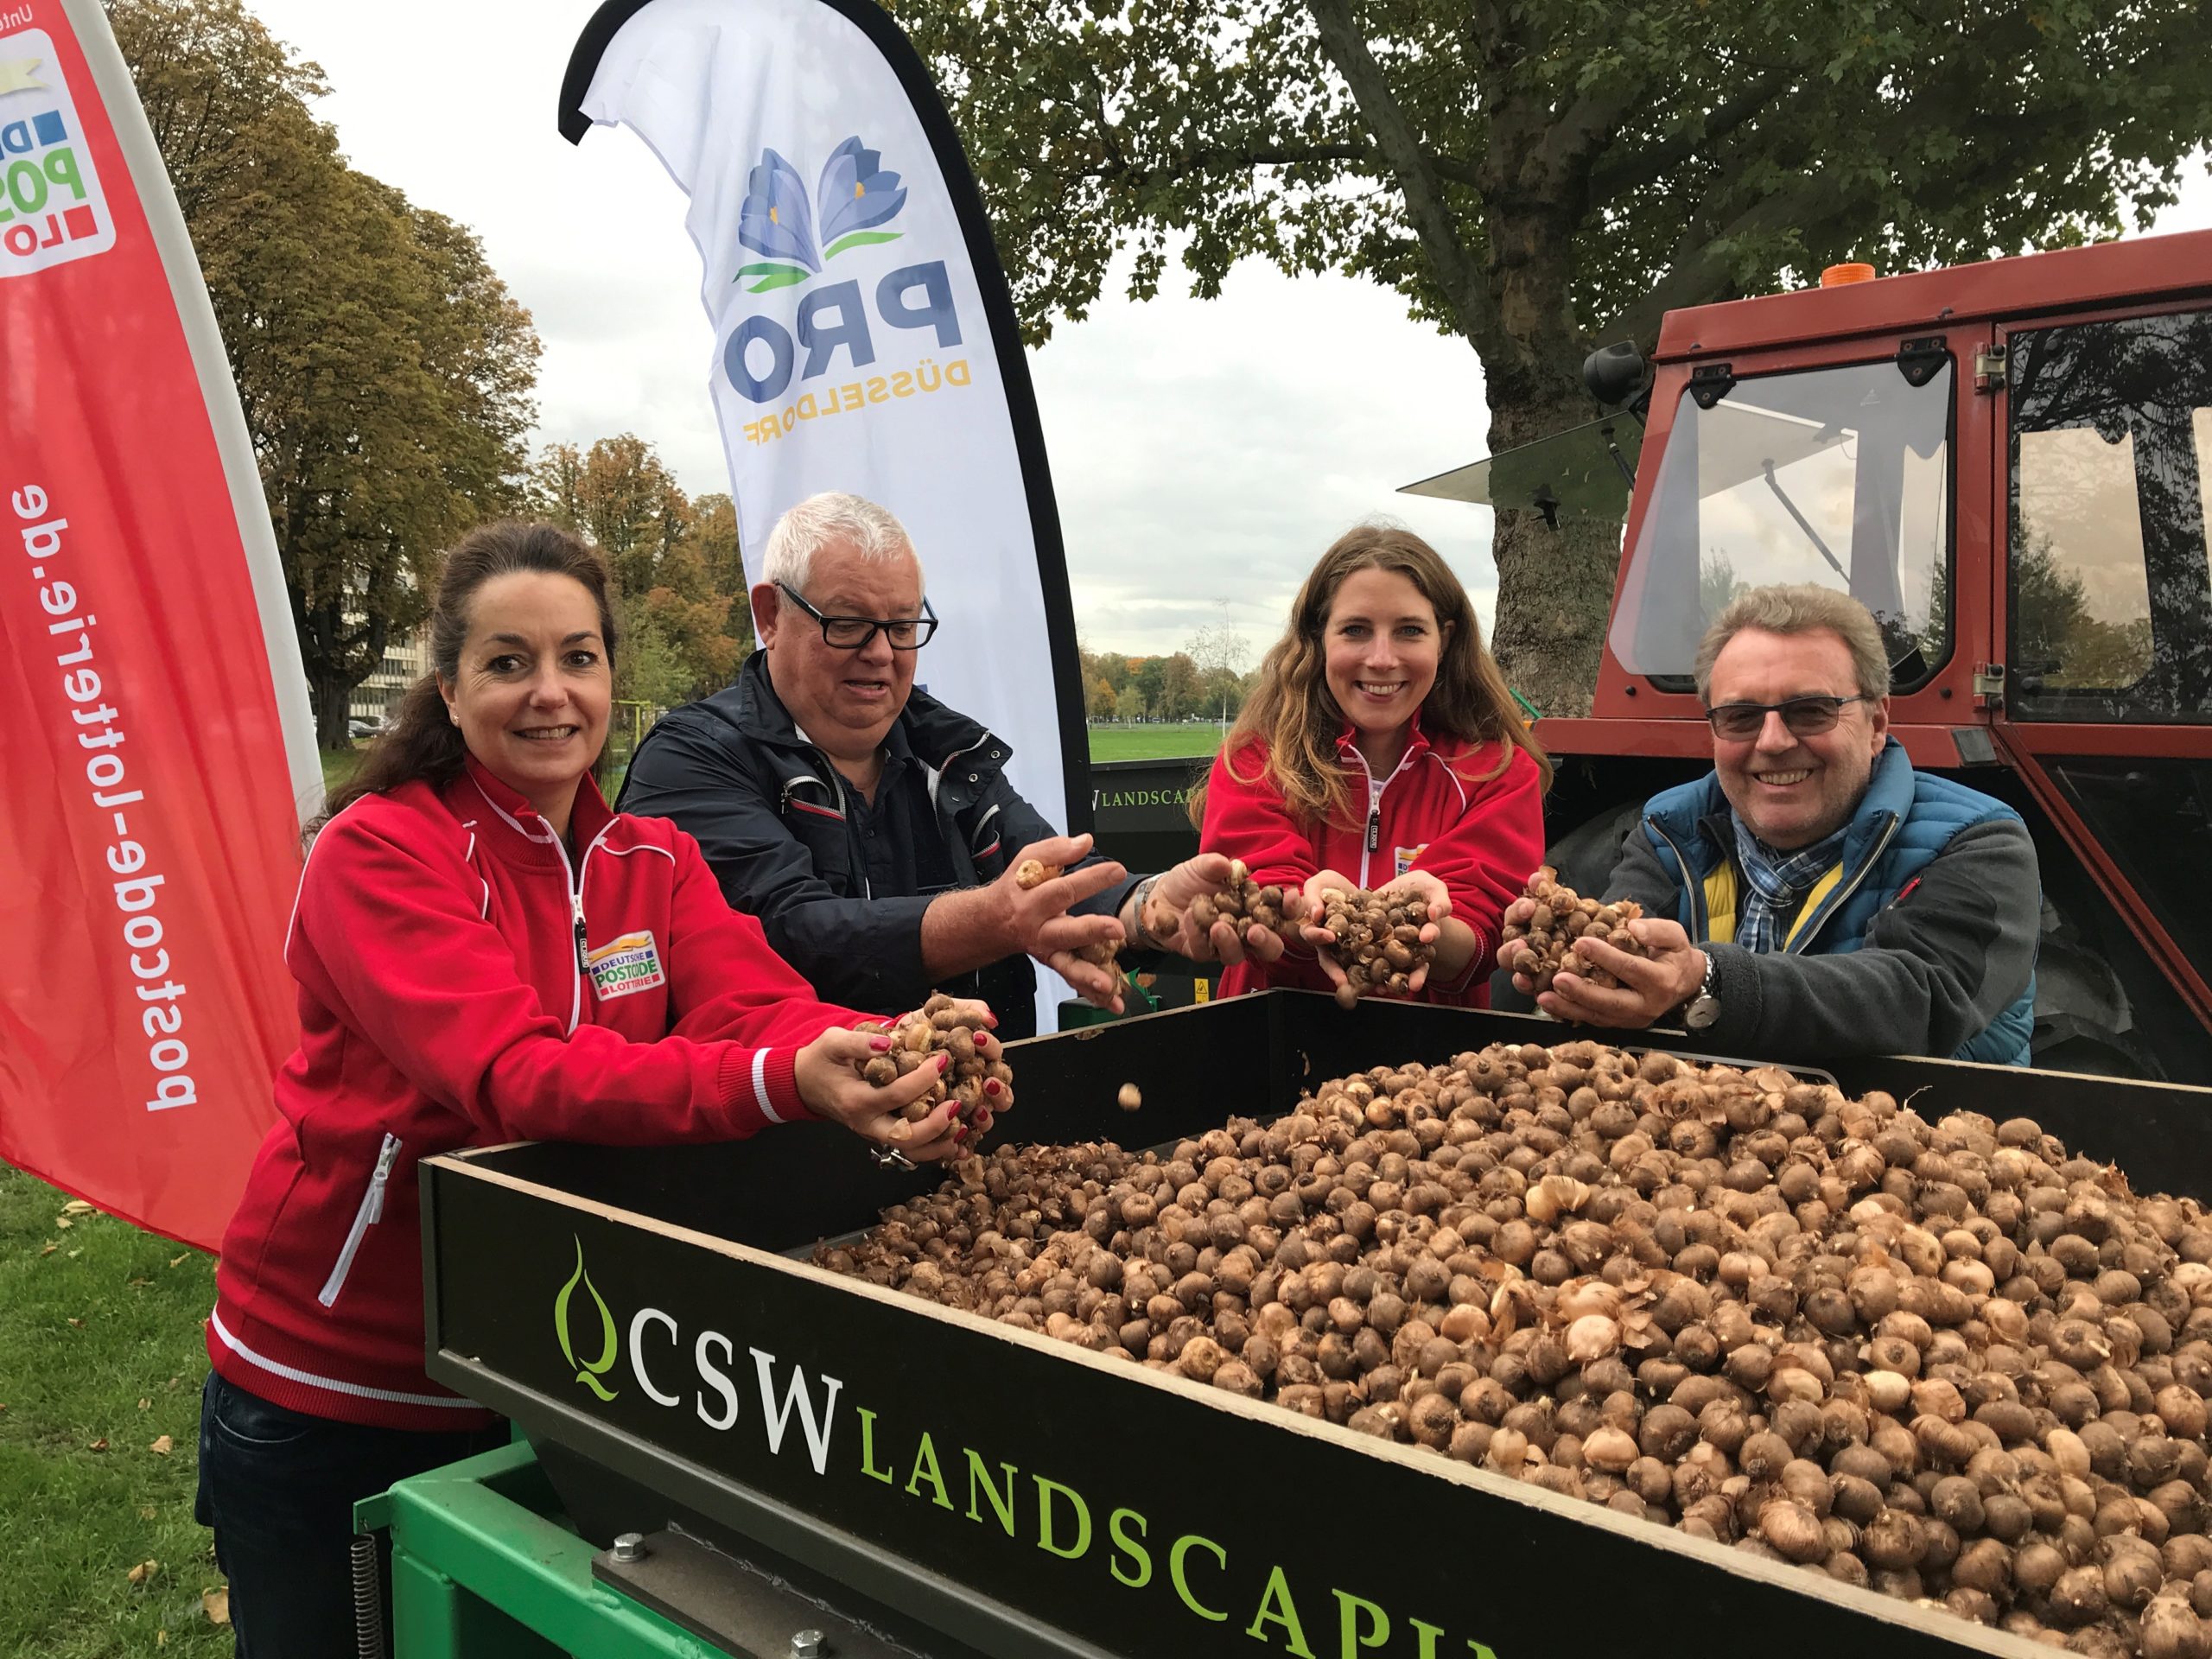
[1201,452]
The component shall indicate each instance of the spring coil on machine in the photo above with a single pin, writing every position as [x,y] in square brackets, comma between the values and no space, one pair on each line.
[368,1602]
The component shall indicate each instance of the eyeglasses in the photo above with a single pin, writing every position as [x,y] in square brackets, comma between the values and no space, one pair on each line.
[857,633]
[1801,716]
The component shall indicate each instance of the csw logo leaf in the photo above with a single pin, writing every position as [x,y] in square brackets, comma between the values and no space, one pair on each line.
[589,1371]
[855,197]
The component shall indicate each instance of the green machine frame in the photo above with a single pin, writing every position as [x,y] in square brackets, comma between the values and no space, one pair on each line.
[482,1568]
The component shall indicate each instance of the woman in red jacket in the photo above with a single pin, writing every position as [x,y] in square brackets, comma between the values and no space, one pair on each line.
[1382,750]
[485,952]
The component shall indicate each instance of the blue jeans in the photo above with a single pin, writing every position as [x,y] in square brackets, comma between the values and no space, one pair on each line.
[278,1486]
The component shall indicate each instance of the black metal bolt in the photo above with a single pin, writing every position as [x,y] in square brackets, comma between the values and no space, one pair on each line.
[809,1645]
[628,1547]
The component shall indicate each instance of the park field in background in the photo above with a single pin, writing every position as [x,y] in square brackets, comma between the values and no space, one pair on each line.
[1162,740]
[338,766]
[1167,741]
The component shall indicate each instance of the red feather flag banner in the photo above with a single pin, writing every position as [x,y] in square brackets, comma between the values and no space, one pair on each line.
[157,756]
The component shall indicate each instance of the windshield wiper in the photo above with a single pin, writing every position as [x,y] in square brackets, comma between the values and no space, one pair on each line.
[1811,535]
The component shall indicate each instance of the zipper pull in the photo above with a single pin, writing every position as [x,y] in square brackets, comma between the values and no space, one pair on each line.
[387,1155]
[1374,826]
[576,901]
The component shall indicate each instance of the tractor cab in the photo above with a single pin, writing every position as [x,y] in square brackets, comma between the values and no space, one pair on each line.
[2007,463]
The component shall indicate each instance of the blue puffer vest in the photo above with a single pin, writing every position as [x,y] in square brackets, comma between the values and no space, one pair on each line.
[1903,821]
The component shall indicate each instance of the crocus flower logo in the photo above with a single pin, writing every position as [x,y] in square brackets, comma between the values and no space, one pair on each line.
[855,196]
[774,220]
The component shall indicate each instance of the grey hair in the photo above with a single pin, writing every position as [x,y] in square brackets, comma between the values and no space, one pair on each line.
[1800,608]
[812,524]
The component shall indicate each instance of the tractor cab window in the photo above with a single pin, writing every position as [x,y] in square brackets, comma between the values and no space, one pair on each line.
[2111,592]
[1839,477]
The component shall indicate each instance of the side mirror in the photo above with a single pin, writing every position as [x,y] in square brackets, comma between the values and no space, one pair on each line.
[1614,373]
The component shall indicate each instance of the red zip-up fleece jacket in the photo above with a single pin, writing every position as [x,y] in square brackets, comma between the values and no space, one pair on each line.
[1481,839]
[464,982]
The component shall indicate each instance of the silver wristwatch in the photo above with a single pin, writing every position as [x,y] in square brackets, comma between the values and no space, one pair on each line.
[1140,895]
[1704,1008]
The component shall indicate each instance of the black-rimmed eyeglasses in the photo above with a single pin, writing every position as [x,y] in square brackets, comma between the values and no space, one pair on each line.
[1801,716]
[857,633]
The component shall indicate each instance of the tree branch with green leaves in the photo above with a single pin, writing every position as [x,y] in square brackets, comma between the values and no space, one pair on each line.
[1541,176]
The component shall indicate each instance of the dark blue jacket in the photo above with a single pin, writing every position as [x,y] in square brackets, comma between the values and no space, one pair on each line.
[1920,940]
[769,811]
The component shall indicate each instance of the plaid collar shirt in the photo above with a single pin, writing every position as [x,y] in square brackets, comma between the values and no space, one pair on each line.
[1775,884]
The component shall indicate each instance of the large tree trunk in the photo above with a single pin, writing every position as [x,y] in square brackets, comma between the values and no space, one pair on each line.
[333,695]
[1553,585]
[1514,302]
[1554,588]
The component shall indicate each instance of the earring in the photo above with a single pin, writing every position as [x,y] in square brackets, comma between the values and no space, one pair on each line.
[454,715]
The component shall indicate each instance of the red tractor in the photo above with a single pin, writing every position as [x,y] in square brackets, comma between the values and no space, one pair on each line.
[2008,463]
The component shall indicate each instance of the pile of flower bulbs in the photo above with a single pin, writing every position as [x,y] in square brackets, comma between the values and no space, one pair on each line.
[1945,1359]
[938,1027]
[1245,903]
[1547,942]
[1378,942]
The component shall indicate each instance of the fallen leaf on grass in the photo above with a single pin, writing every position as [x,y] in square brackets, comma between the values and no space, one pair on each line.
[217,1603]
[100,1444]
[146,1512]
[140,1284]
[50,1248]
[161,1638]
[76,1324]
[63,1221]
[163,1447]
[145,1570]
[76,1207]
[145,1405]
[179,1261]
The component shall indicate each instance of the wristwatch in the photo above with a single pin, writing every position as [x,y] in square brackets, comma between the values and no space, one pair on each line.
[1704,1008]
[1140,896]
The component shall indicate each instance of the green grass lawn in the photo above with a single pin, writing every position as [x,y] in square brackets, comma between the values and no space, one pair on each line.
[101,1360]
[337,766]
[1173,743]
[1177,741]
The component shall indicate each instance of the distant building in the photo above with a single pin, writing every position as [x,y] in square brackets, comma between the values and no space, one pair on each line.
[406,659]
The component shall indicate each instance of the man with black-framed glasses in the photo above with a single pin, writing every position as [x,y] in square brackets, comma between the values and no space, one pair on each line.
[870,827]
[1815,894]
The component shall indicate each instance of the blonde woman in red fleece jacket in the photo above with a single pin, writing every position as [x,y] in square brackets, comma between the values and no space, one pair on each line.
[485,952]
[1381,749]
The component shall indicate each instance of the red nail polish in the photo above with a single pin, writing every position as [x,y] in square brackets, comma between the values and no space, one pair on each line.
[880,1042]
[943,1060]
[990,1085]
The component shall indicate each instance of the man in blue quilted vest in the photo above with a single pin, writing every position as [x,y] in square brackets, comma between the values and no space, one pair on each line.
[1825,897]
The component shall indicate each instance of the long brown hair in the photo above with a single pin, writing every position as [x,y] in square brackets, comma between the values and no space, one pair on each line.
[422,740]
[1294,714]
